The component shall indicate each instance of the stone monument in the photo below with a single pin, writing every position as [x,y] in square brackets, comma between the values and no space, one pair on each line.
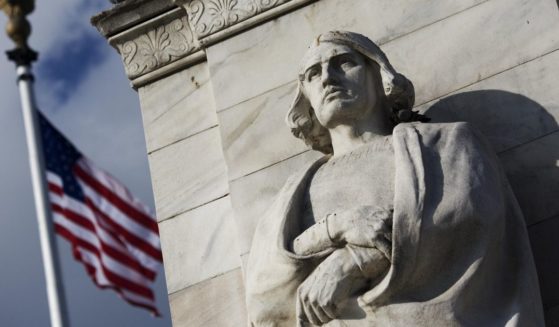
[215,77]
[416,220]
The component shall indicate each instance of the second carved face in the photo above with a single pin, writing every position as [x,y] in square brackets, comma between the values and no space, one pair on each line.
[339,83]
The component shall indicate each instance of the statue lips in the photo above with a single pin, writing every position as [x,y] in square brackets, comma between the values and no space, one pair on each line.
[333,93]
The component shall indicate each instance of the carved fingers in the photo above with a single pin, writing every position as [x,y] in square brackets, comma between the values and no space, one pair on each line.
[315,239]
[311,311]
[329,285]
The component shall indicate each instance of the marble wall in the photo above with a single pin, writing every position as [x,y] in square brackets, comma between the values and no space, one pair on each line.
[190,184]
[219,150]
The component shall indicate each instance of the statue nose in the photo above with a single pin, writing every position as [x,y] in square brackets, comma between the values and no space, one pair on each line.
[328,75]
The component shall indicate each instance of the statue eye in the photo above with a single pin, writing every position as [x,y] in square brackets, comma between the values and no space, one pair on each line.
[345,62]
[312,73]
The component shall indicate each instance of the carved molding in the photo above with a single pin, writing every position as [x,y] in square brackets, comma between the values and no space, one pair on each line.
[175,39]
[155,44]
[211,16]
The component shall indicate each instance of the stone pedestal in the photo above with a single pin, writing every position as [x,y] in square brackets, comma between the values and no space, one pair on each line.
[216,77]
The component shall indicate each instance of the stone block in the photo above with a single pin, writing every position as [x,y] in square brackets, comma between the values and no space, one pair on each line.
[188,174]
[533,172]
[510,108]
[277,46]
[199,244]
[254,133]
[177,106]
[253,194]
[470,46]
[219,301]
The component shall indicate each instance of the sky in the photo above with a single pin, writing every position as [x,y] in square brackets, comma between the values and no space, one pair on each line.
[82,88]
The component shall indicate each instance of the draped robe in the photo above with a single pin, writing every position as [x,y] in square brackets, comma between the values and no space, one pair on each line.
[460,250]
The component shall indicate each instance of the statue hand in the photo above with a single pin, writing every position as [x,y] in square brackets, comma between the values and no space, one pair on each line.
[322,293]
[365,226]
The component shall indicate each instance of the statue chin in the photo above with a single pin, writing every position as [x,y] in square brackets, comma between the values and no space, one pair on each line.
[343,111]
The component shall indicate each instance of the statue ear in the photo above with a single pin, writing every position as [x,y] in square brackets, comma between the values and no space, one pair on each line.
[298,116]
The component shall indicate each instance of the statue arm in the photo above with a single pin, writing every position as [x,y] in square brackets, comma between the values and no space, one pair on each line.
[372,263]
[364,226]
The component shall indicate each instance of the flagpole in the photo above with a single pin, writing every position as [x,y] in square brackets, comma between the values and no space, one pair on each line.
[18,30]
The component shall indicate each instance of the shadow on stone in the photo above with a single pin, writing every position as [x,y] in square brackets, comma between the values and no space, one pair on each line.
[507,119]
[526,138]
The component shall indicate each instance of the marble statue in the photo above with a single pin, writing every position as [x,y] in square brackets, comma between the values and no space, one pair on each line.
[401,223]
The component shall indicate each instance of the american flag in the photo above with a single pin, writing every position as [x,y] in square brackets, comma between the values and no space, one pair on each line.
[111,232]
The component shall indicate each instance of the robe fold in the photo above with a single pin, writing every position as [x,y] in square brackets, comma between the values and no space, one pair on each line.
[460,250]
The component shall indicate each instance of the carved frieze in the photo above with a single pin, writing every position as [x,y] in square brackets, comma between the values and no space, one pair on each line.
[211,16]
[155,45]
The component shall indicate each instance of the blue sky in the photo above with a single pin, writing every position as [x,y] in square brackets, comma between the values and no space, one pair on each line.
[82,88]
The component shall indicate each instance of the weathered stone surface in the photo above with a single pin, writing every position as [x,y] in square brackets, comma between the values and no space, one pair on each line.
[234,59]
[177,107]
[510,108]
[533,171]
[254,134]
[199,244]
[219,301]
[252,195]
[188,174]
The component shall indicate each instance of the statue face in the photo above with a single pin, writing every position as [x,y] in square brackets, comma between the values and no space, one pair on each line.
[339,83]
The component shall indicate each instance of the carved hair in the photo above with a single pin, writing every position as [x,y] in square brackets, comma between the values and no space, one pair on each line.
[398,90]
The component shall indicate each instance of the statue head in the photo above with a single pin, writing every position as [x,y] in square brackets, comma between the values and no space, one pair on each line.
[343,75]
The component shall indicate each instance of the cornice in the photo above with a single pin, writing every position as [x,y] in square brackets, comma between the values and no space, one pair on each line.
[155,43]
[129,13]
[155,38]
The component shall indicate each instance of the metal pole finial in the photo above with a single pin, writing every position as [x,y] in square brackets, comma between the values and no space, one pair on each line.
[19,29]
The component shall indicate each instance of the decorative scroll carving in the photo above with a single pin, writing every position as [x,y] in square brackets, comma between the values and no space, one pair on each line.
[211,16]
[157,47]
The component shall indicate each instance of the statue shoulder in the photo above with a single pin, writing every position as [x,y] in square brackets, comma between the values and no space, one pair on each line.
[431,128]
[457,131]
[446,137]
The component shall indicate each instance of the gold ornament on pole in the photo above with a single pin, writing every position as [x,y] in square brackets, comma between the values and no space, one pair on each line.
[19,29]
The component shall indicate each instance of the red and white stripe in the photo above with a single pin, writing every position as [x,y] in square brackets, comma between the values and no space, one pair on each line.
[112,233]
